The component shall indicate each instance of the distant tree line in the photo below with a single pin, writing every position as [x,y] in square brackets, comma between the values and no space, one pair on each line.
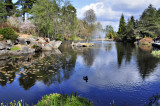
[147,26]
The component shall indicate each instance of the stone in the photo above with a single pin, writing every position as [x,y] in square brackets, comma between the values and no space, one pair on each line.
[2,46]
[9,42]
[57,44]
[22,41]
[83,44]
[41,40]
[2,52]
[47,47]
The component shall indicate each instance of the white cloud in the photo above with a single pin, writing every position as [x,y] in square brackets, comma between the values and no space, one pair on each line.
[109,12]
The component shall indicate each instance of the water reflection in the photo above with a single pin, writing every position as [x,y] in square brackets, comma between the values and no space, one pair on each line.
[124,51]
[109,71]
[146,62]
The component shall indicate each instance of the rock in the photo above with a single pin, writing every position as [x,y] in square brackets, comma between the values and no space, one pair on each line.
[47,40]
[2,46]
[24,51]
[41,40]
[22,41]
[5,46]
[2,52]
[47,47]
[52,42]
[9,42]
[8,47]
[82,44]
[57,44]
[27,49]
[37,48]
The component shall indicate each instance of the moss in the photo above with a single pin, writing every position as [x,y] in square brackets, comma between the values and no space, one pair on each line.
[156,53]
[15,48]
[63,100]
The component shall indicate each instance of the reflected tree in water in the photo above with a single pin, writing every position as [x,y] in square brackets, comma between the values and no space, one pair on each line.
[146,62]
[88,56]
[49,69]
[124,51]
[109,47]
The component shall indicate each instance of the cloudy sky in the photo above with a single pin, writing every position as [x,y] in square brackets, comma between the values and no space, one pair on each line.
[109,11]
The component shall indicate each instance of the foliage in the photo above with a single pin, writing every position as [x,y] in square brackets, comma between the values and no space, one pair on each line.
[110,32]
[156,53]
[122,26]
[63,100]
[90,16]
[3,12]
[148,25]
[27,27]
[26,6]
[14,103]
[13,21]
[8,33]
[6,25]
[54,19]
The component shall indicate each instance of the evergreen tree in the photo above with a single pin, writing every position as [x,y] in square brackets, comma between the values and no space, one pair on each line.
[122,25]
[148,24]
[3,12]
[10,8]
[26,6]
[133,21]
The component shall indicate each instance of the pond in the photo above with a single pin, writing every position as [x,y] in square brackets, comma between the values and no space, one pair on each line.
[108,72]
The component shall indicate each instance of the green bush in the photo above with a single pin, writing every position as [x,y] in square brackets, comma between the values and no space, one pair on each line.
[8,33]
[64,100]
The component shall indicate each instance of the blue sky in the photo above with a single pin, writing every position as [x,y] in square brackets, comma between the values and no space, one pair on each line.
[109,11]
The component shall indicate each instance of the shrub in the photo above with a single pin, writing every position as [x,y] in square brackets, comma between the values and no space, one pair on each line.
[8,33]
[6,25]
[13,21]
[63,100]
[27,28]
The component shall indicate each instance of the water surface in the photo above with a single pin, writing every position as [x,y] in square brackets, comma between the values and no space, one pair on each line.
[123,73]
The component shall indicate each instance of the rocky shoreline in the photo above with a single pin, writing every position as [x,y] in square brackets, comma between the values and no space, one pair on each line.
[28,45]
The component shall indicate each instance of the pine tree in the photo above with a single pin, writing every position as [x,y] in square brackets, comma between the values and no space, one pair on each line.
[26,6]
[133,21]
[10,8]
[3,12]
[148,24]
[122,25]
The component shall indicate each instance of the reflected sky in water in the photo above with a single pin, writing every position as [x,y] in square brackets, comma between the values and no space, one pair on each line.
[125,73]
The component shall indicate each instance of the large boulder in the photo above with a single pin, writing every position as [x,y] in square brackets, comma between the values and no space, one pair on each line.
[56,44]
[25,50]
[41,40]
[9,42]
[22,41]
[5,46]
[2,46]
[47,47]
[2,52]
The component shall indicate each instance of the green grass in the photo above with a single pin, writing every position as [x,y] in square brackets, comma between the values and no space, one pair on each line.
[55,100]
[63,100]
[15,48]
[156,53]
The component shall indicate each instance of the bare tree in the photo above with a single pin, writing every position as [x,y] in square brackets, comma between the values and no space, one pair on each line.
[90,16]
